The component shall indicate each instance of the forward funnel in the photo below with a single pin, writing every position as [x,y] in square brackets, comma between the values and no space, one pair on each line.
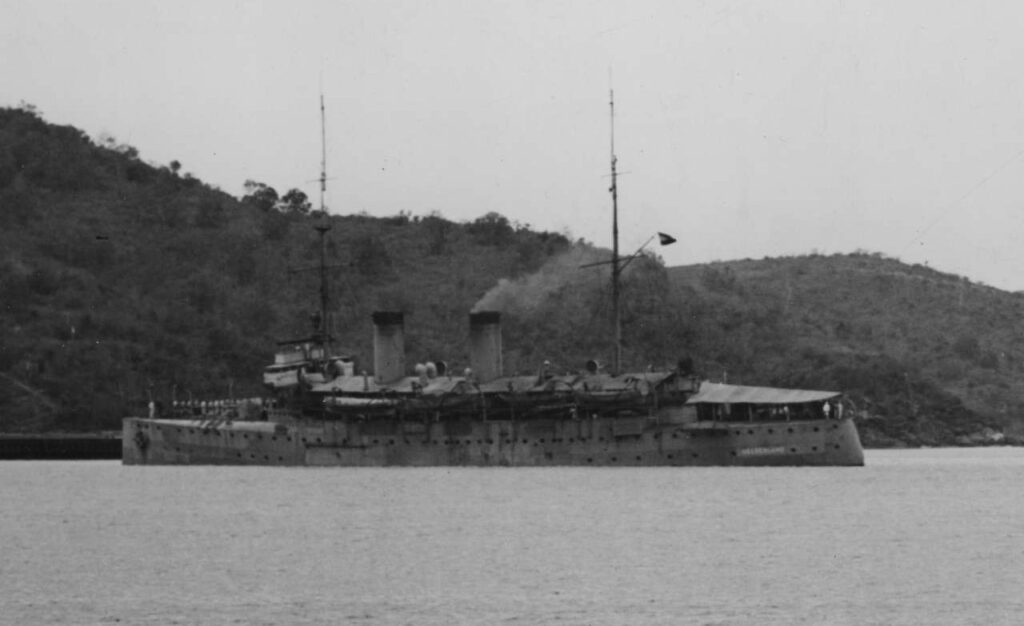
[388,346]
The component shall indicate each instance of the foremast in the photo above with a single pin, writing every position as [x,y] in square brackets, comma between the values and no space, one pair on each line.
[616,269]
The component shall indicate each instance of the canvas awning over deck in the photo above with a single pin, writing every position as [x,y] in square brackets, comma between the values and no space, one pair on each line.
[717,393]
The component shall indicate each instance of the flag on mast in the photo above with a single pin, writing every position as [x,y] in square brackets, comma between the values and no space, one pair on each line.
[666,239]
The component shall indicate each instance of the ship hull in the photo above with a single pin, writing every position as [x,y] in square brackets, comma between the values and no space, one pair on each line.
[587,442]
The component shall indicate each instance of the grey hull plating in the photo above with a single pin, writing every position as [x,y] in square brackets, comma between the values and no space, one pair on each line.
[595,442]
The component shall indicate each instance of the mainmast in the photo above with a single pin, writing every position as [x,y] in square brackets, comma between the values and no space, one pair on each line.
[323,157]
[616,313]
[322,228]
[324,330]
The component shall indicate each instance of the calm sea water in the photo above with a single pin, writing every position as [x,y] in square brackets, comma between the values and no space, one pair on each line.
[916,537]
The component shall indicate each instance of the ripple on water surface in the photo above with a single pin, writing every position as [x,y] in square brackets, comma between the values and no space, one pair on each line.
[917,536]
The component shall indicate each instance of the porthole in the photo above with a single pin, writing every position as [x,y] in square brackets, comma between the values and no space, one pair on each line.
[590,460]
[792,450]
[770,431]
[750,432]
[732,452]
[789,430]
[816,429]
[814,448]
[614,459]
[637,458]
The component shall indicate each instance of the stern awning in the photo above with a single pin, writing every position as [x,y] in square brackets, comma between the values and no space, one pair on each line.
[717,393]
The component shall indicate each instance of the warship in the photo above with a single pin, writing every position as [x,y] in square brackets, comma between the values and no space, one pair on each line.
[317,411]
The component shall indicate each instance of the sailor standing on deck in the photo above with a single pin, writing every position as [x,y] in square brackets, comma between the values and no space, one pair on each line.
[827,408]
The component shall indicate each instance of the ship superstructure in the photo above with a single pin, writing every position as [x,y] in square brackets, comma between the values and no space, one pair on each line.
[431,417]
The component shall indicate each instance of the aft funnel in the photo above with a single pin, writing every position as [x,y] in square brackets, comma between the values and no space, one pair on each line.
[485,345]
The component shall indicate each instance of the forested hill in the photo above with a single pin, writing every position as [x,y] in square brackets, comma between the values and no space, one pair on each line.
[120,279]
[929,357]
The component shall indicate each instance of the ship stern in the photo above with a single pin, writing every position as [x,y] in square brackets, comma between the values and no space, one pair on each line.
[134,442]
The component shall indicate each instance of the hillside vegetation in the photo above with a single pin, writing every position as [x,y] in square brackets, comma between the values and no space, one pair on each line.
[122,280]
[927,357]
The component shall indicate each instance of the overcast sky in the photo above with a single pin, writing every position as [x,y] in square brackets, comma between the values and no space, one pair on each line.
[746,129]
